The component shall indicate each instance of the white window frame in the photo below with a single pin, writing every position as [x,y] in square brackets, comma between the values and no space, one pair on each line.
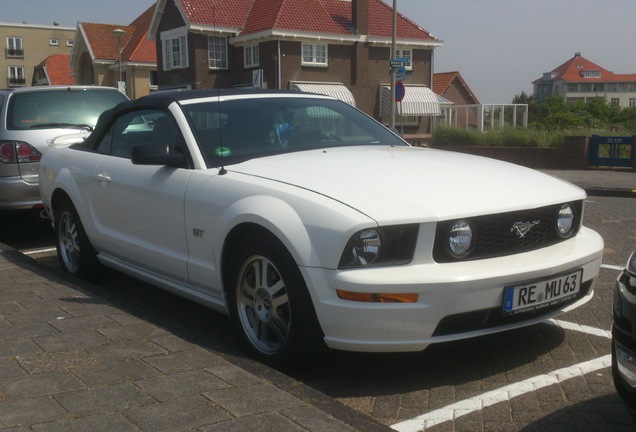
[15,43]
[175,49]
[54,42]
[405,53]
[15,73]
[615,102]
[217,58]
[632,102]
[251,56]
[312,55]
[69,42]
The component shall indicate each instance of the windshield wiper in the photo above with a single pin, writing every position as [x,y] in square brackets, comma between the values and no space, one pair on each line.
[63,125]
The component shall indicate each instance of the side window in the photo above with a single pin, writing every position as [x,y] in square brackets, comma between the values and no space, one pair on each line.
[104,144]
[143,127]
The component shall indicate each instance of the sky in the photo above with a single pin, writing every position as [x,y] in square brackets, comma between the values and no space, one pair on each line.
[498,46]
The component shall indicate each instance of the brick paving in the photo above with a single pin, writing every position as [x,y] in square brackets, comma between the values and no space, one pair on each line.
[76,358]
[72,361]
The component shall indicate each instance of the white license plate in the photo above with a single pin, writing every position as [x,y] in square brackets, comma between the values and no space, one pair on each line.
[543,293]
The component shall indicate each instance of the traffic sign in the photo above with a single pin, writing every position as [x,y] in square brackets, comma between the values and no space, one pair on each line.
[400,73]
[395,64]
[399,91]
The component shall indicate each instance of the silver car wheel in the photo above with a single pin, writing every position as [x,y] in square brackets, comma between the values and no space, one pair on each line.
[68,241]
[263,305]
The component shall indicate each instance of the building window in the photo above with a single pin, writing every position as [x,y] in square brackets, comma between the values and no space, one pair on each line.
[54,42]
[314,55]
[217,52]
[69,43]
[16,76]
[250,54]
[591,74]
[175,52]
[611,87]
[632,102]
[14,47]
[405,54]
[586,88]
[573,88]
[615,102]
[154,80]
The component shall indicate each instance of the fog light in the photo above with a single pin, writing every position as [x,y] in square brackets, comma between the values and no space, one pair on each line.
[460,238]
[565,221]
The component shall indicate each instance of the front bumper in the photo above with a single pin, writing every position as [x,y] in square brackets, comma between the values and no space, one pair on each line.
[444,290]
[624,330]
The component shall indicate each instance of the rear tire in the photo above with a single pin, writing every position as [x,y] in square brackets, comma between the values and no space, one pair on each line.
[75,252]
[270,306]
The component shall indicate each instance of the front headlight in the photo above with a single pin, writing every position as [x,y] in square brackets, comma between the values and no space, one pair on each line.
[392,245]
[631,264]
[565,221]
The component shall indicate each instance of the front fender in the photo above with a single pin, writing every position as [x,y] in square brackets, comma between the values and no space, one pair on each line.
[276,216]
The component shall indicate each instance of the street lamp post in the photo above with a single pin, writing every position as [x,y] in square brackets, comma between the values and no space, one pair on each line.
[393,48]
[119,33]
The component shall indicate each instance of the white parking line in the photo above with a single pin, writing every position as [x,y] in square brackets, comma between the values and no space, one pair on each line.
[612,267]
[33,252]
[580,328]
[502,394]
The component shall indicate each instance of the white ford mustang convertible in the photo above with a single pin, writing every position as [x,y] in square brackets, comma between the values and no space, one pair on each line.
[311,224]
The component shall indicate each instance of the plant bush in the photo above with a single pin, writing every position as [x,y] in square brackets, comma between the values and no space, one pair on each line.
[549,123]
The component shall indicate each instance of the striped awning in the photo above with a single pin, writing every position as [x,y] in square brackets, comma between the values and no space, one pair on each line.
[418,100]
[335,90]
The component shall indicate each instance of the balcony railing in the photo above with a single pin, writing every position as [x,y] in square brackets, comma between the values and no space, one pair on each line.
[16,82]
[14,53]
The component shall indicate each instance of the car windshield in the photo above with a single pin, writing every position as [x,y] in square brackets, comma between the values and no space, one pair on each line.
[50,109]
[234,131]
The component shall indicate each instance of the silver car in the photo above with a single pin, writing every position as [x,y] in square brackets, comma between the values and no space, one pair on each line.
[29,117]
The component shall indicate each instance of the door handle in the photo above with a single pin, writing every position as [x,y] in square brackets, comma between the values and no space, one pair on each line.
[103,177]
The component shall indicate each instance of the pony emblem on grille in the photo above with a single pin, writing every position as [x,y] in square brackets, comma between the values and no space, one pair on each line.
[520,229]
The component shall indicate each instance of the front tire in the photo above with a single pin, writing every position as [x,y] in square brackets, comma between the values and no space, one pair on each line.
[74,250]
[270,305]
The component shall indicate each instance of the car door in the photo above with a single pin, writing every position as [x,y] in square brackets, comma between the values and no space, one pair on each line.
[138,210]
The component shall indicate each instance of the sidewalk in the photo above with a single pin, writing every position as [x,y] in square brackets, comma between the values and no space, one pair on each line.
[70,360]
[598,182]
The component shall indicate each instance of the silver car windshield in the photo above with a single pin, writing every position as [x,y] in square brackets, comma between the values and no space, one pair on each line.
[237,130]
[64,109]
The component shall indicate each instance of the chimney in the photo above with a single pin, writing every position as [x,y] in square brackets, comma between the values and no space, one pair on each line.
[360,16]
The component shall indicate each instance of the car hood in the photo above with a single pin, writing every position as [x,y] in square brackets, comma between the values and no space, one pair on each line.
[401,184]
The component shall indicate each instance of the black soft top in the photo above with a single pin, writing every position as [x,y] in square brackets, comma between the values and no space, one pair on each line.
[161,100]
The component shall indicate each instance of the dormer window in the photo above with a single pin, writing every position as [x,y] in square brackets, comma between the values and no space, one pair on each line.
[591,74]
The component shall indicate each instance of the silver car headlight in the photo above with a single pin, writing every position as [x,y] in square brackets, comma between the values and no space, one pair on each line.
[460,238]
[380,246]
[565,221]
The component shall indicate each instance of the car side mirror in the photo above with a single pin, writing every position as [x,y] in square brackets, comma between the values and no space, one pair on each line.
[156,154]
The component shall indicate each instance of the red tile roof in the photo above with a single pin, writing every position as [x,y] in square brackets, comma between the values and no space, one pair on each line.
[101,40]
[57,70]
[134,44]
[311,16]
[443,80]
[139,48]
[573,69]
